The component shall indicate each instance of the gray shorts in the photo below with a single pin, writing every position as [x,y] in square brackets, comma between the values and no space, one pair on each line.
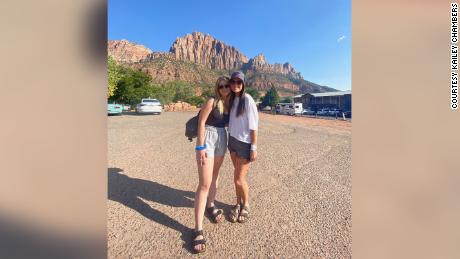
[241,148]
[215,140]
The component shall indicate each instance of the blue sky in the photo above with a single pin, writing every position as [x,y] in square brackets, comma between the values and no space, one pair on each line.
[314,36]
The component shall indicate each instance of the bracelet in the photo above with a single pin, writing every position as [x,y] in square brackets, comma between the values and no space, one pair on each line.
[253,147]
[199,148]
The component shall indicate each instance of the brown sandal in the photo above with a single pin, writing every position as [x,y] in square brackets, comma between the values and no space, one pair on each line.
[214,213]
[244,214]
[201,242]
[234,213]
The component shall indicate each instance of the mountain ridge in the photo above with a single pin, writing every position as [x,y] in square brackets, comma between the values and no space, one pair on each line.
[199,58]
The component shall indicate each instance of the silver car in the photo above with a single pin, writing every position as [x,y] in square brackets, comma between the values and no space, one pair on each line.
[323,112]
[308,112]
[334,112]
[149,105]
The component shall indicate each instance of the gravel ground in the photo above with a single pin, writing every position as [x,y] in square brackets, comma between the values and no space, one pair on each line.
[300,190]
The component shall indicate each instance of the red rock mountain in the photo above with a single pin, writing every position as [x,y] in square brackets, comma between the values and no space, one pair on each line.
[205,50]
[260,64]
[200,58]
[127,52]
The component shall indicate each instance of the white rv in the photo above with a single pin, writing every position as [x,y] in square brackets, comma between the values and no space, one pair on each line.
[289,108]
[281,108]
[298,109]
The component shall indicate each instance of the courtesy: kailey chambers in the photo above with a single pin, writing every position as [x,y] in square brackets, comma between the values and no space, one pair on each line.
[454,56]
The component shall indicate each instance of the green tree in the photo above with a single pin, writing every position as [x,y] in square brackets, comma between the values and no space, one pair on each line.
[132,87]
[271,98]
[164,92]
[253,92]
[183,91]
[196,100]
[287,100]
[113,75]
[207,91]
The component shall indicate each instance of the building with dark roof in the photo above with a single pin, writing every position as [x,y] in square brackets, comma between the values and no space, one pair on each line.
[316,101]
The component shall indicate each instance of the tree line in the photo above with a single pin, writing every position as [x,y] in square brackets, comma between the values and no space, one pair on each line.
[129,86]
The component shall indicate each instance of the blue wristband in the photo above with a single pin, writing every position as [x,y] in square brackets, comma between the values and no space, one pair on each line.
[199,148]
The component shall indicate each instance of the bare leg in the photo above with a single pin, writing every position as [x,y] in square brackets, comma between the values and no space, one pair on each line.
[233,157]
[241,182]
[236,165]
[218,160]
[205,178]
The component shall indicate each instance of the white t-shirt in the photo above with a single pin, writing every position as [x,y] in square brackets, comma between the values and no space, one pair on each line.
[239,127]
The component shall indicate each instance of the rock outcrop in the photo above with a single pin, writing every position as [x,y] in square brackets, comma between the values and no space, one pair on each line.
[124,51]
[163,68]
[199,59]
[179,106]
[260,64]
[261,84]
[205,50]
[156,55]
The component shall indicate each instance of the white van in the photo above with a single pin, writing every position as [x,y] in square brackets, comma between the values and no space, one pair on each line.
[298,109]
[279,108]
[282,108]
[289,108]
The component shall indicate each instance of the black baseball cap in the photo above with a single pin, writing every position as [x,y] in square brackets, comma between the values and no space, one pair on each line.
[237,74]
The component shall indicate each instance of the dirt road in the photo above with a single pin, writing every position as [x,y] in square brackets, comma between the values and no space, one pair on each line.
[300,191]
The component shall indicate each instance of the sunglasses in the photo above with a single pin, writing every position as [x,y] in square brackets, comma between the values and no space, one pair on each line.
[236,82]
[223,86]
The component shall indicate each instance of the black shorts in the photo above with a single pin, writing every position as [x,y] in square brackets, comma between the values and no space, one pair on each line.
[241,149]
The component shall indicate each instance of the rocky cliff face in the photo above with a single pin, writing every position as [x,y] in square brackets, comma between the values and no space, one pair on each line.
[260,64]
[205,50]
[164,68]
[126,52]
[200,59]
[261,83]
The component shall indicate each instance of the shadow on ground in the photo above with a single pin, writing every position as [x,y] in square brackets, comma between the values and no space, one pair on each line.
[24,238]
[133,113]
[128,191]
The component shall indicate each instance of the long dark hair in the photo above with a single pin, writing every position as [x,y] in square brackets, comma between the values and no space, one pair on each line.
[241,102]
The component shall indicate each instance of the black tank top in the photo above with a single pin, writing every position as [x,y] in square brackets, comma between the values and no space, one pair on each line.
[217,121]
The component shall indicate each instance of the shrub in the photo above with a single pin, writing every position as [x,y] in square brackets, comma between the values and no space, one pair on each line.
[253,92]
[271,98]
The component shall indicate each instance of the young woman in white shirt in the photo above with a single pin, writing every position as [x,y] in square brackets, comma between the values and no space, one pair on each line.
[242,143]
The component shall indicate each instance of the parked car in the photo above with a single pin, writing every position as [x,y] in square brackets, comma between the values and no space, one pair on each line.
[323,112]
[334,112]
[308,112]
[126,107]
[267,108]
[114,109]
[149,105]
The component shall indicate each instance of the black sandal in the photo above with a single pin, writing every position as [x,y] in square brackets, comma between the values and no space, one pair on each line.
[214,213]
[234,213]
[244,214]
[201,242]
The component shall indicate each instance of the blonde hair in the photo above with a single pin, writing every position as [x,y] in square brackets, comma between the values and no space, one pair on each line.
[218,105]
